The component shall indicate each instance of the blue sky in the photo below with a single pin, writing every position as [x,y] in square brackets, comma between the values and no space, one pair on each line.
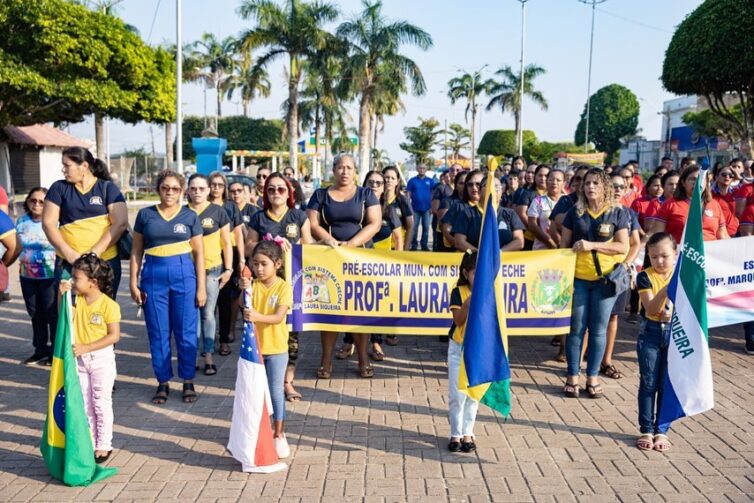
[630,41]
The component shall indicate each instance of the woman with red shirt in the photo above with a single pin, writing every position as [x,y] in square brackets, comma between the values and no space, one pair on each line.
[723,193]
[643,205]
[672,215]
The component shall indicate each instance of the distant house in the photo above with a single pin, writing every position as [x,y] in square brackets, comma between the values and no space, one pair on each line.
[35,154]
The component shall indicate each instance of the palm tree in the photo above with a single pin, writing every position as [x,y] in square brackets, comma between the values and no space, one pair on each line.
[386,100]
[250,81]
[380,158]
[506,94]
[375,42]
[459,139]
[294,29]
[214,62]
[469,86]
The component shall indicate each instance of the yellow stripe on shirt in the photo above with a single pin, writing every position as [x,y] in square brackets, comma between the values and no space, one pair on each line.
[83,234]
[170,250]
[213,250]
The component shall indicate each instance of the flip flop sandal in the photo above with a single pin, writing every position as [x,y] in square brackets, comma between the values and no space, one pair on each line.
[189,395]
[377,355]
[571,390]
[610,371]
[662,443]
[323,373]
[645,442]
[292,396]
[594,391]
[366,372]
[345,352]
[161,395]
[210,369]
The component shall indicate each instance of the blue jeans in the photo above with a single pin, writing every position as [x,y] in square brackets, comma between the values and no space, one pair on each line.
[462,409]
[274,366]
[207,313]
[41,297]
[652,349]
[591,310]
[424,219]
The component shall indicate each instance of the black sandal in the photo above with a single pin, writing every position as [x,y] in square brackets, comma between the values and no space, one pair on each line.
[189,395]
[161,395]
[610,371]
[594,390]
[571,390]
[210,369]
[468,446]
[454,446]
[101,459]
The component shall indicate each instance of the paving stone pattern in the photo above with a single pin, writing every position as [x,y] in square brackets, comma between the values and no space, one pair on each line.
[384,439]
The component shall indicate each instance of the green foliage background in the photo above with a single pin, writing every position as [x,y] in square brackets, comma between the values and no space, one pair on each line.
[242,133]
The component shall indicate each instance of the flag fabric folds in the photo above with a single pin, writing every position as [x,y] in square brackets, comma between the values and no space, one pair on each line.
[66,446]
[250,439]
[485,370]
[688,384]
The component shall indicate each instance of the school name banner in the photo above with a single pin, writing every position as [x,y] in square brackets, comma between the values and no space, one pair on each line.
[730,281]
[394,292]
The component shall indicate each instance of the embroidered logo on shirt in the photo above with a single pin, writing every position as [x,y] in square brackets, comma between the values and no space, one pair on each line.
[709,213]
[291,231]
[179,229]
[95,200]
[246,219]
[273,301]
[502,226]
[96,319]
[208,223]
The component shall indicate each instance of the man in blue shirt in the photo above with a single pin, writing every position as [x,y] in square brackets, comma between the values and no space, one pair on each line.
[420,189]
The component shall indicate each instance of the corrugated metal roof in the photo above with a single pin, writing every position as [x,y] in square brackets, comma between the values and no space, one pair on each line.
[42,135]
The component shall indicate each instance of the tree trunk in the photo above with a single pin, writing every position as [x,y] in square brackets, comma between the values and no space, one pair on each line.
[219,99]
[245,104]
[169,144]
[99,135]
[317,133]
[364,130]
[473,134]
[293,114]
[376,132]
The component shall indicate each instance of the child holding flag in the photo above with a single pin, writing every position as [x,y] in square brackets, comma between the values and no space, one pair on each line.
[652,345]
[271,299]
[462,409]
[96,325]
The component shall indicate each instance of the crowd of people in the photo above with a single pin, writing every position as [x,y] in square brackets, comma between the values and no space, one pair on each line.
[190,260]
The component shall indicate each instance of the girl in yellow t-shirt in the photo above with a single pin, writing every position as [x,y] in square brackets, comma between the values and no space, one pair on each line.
[462,409]
[96,329]
[271,299]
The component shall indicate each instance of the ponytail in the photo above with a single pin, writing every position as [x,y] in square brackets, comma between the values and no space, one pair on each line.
[80,155]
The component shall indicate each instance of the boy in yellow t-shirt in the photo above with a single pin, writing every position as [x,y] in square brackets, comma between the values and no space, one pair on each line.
[96,328]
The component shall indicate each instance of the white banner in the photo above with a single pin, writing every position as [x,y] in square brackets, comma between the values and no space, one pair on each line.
[730,281]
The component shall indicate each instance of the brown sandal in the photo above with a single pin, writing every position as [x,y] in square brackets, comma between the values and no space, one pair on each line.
[594,390]
[571,390]
[323,373]
[610,371]
[366,372]
[345,352]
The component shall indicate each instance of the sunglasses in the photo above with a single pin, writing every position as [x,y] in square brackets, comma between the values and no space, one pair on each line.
[168,189]
[262,177]
[36,201]
[375,183]
[217,185]
[474,185]
[618,186]
[727,175]
[280,189]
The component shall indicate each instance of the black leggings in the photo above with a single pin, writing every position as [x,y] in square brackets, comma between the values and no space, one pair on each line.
[225,298]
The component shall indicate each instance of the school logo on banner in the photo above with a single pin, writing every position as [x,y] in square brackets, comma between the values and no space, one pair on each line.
[317,285]
[550,292]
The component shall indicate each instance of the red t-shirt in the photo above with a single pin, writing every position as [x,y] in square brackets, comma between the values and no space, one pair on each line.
[674,213]
[628,199]
[642,207]
[728,205]
[639,185]
[747,218]
[3,196]
[745,191]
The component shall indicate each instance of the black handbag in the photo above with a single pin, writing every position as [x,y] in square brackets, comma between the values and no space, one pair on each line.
[614,283]
[124,245]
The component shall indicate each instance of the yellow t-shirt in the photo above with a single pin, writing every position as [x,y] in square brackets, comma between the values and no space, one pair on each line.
[90,320]
[457,298]
[272,338]
[651,280]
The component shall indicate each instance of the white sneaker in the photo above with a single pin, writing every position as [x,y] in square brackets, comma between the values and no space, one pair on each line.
[281,447]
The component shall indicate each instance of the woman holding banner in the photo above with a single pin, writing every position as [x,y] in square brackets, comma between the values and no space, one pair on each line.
[344,215]
[468,225]
[400,203]
[597,231]
[283,222]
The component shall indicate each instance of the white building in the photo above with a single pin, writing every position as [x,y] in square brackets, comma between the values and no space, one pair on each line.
[646,152]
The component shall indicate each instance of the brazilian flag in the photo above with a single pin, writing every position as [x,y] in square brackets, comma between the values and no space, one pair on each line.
[66,444]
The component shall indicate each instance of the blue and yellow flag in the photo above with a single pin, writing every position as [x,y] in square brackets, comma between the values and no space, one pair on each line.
[485,372]
[66,444]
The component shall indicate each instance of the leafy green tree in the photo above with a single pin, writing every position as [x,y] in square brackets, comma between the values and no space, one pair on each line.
[241,132]
[614,114]
[458,139]
[469,87]
[503,142]
[295,30]
[250,81]
[711,54]
[213,63]
[375,45]
[708,123]
[506,93]
[386,99]
[60,62]
[421,139]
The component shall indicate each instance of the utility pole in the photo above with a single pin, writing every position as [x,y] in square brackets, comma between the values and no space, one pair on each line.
[520,132]
[178,82]
[589,74]
[446,144]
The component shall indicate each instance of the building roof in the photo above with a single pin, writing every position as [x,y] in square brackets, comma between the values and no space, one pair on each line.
[42,135]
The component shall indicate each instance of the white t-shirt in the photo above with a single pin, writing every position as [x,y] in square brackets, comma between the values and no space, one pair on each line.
[540,208]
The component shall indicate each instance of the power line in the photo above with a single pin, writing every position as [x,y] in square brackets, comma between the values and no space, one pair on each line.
[154,18]
[639,23]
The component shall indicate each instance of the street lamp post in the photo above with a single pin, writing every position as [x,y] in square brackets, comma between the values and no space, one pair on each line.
[520,137]
[178,82]
[589,73]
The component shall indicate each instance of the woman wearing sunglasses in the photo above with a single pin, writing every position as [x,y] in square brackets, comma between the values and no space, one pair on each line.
[37,268]
[168,236]
[723,192]
[281,219]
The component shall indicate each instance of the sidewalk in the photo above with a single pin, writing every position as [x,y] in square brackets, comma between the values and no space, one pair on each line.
[384,439]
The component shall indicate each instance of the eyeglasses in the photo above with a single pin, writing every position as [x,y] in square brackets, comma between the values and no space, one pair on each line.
[726,174]
[198,189]
[375,183]
[217,185]
[280,189]
[617,186]
[236,191]
[474,185]
[36,201]
[168,189]
[262,177]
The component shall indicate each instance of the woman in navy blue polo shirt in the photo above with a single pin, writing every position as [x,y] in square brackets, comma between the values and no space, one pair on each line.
[168,237]
[344,215]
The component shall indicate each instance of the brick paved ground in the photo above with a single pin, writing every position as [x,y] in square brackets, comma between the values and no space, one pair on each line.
[385,439]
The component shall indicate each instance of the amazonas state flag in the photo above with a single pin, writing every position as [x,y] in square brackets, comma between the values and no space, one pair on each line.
[66,444]
[485,372]
[688,384]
